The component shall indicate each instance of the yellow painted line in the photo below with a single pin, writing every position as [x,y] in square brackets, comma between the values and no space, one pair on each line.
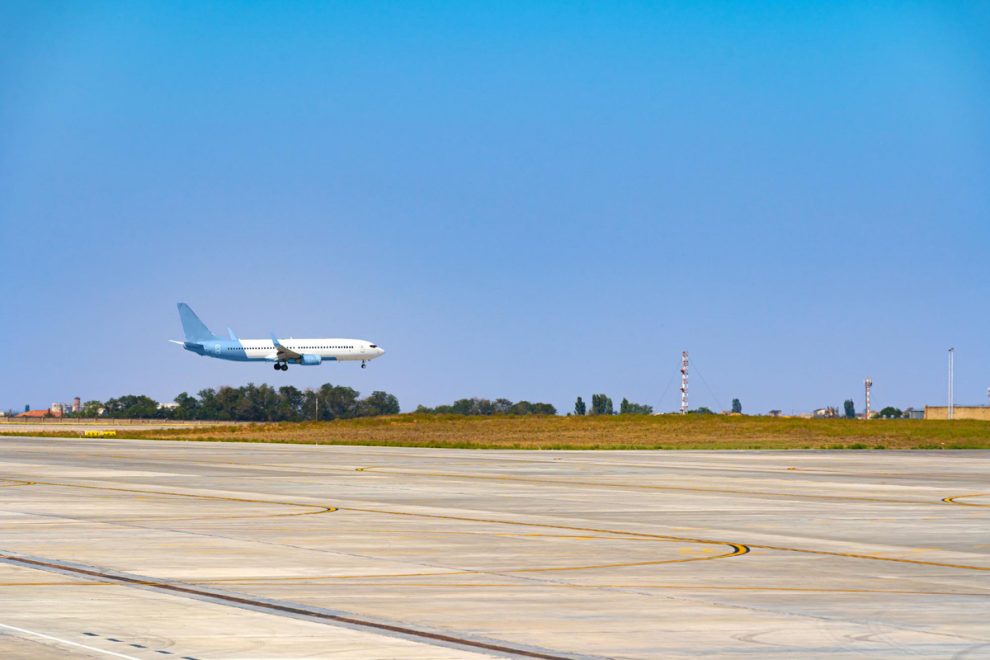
[275,582]
[56,584]
[627,486]
[738,548]
[849,555]
[13,483]
[319,508]
[953,500]
[854,555]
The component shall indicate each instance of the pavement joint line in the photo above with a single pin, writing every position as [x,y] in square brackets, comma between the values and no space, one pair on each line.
[276,607]
[25,631]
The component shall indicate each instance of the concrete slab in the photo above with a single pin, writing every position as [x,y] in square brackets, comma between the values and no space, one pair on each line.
[614,554]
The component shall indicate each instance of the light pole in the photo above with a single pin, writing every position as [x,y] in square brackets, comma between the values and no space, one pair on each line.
[950,413]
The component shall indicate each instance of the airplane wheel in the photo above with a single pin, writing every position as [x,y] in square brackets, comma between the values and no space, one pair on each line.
[285,367]
[277,367]
[364,365]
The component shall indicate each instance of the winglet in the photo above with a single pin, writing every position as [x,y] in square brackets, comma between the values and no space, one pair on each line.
[275,341]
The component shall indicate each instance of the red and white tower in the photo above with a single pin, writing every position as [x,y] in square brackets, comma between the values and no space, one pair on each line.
[684,382]
[869,385]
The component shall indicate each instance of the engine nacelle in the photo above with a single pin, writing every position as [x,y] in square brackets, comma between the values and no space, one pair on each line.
[309,359]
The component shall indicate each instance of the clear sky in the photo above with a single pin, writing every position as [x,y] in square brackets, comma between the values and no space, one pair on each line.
[533,200]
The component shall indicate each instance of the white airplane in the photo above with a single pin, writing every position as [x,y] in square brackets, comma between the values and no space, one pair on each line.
[201,341]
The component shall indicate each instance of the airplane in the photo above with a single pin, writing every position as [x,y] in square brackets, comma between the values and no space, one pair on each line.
[201,341]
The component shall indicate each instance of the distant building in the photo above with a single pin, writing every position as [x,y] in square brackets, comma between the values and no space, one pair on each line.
[168,405]
[57,409]
[827,411]
[76,404]
[913,413]
[34,414]
[774,413]
[958,412]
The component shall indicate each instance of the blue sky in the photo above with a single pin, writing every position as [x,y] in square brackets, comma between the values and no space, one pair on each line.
[528,200]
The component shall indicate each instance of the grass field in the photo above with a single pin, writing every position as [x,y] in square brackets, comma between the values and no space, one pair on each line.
[617,432]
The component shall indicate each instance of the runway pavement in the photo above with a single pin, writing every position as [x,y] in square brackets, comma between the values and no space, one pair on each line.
[150,549]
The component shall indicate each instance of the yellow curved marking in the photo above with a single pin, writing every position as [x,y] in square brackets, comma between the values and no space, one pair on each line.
[849,555]
[630,585]
[605,484]
[13,483]
[737,549]
[854,555]
[953,500]
[57,584]
[319,508]
[496,521]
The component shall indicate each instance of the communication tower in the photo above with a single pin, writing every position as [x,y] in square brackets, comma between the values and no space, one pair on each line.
[950,412]
[869,385]
[684,382]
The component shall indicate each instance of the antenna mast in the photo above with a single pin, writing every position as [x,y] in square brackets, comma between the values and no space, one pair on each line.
[950,413]
[869,385]
[684,382]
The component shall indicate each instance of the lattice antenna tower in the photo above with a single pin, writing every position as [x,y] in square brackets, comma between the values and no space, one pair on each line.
[869,385]
[684,382]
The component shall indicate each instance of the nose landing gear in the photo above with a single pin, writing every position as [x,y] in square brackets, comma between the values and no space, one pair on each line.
[364,364]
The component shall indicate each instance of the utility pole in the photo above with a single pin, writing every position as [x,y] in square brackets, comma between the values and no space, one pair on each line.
[950,413]
[684,382]
[869,385]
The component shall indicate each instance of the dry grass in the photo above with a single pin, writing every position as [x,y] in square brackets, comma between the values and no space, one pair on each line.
[618,432]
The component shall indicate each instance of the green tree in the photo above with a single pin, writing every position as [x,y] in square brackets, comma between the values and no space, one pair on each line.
[629,408]
[850,408]
[378,403]
[92,409]
[290,403]
[891,412]
[188,407]
[601,405]
[579,407]
[736,406]
[131,406]
[703,410]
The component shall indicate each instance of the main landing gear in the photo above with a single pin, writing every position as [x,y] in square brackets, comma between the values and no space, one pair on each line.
[281,365]
[364,364]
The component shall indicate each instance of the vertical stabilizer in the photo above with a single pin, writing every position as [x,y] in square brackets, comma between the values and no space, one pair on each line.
[194,329]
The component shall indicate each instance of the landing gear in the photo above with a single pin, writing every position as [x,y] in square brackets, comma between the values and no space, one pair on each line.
[277,366]
[364,364]
[281,366]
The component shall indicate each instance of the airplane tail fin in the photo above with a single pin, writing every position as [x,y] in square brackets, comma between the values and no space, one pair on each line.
[194,329]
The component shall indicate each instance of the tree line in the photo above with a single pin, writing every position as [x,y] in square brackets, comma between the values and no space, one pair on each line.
[250,403]
[601,404]
[476,406]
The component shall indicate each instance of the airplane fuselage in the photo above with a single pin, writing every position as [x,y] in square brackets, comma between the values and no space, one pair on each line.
[325,349]
[281,352]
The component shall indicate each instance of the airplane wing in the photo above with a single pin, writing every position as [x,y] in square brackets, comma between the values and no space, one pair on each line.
[284,353]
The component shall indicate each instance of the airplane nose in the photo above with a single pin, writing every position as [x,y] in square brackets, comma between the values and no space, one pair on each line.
[381,351]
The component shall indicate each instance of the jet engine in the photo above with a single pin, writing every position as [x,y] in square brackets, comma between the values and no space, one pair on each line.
[310,359]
